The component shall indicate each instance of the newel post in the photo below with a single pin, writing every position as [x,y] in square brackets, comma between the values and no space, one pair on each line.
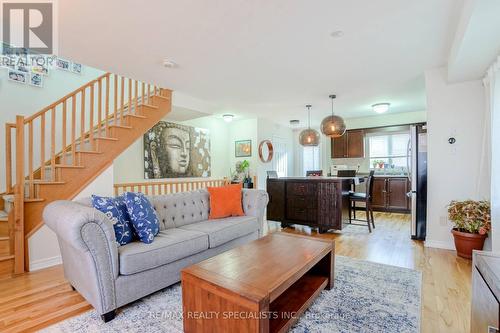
[19,199]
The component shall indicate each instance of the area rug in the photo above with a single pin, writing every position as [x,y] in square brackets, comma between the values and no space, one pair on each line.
[368,297]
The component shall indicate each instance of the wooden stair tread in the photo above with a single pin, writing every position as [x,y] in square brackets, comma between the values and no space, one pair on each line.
[162,97]
[135,116]
[69,166]
[121,126]
[106,138]
[33,200]
[6,257]
[4,238]
[46,182]
[87,152]
[150,106]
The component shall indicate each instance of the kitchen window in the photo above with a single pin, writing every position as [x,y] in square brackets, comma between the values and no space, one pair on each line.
[310,159]
[388,149]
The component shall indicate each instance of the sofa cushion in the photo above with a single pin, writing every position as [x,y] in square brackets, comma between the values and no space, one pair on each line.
[143,216]
[221,231]
[168,246]
[176,210]
[225,201]
[116,211]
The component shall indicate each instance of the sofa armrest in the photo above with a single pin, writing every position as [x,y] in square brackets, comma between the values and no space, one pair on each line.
[89,250]
[254,204]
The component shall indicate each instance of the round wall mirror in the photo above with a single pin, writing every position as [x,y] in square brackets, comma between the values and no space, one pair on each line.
[266,151]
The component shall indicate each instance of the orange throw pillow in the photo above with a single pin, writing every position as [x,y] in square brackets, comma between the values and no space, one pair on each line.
[225,201]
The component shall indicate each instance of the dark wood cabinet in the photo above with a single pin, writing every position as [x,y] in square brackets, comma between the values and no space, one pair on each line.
[356,144]
[349,145]
[317,201]
[389,194]
[397,188]
[276,206]
[379,193]
[339,147]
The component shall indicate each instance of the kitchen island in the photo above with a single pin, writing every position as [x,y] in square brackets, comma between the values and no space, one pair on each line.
[320,202]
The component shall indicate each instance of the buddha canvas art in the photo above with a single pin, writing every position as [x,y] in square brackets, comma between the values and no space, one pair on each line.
[173,150]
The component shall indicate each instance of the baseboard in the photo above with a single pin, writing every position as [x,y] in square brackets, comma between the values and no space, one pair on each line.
[44,263]
[440,244]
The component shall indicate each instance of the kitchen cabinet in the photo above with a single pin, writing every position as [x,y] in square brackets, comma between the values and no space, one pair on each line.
[339,147]
[389,194]
[396,194]
[349,145]
[356,144]
[379,193]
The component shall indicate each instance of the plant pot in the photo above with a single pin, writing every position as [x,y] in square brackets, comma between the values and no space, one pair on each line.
[466,242]
[247,185]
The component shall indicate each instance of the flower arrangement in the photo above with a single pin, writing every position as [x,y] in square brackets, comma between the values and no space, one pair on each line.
[470,216]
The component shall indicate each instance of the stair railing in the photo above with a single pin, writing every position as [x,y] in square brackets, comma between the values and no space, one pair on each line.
[50,137]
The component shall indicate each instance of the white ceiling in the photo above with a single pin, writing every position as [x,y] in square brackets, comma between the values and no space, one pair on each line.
[477,40]
[268,58]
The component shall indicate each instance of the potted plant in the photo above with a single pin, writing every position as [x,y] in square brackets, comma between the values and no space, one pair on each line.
[472,222]
[242,174]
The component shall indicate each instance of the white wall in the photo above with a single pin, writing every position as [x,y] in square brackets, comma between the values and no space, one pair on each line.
[244,129]
[20,99]
[43,246]
[267,130]
[452,110]
[493,96]
[129,165]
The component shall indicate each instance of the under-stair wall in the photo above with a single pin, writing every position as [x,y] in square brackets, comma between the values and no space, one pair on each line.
[59,150]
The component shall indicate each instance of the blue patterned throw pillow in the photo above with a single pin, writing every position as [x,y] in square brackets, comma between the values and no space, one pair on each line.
[116,210]
[143,216]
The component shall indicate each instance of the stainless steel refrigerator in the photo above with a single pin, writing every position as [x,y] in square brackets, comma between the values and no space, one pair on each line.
[417,173]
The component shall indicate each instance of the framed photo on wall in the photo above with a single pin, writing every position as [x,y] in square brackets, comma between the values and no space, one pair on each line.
[243,148]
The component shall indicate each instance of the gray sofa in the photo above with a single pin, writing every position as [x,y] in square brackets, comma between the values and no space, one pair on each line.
[110,276]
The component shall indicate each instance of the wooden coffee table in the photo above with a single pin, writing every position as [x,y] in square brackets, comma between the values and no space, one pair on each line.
[263,286]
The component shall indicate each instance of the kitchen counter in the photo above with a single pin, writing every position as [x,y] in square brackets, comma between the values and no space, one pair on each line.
[323,178]
[384,176]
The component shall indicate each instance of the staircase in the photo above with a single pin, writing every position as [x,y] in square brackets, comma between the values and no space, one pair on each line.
[57,152]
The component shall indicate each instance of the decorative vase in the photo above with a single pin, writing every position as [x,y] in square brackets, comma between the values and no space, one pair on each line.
[466,242]
[247,185]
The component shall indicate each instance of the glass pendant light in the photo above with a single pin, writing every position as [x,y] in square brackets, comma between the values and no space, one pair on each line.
[333,126]
[309,136]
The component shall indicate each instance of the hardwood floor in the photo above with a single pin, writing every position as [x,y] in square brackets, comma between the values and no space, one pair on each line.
[34,300]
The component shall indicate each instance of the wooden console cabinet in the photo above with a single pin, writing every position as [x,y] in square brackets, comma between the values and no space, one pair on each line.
[485,314]
[313,201]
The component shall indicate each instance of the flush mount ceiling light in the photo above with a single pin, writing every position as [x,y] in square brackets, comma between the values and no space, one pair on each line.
[381,107]
[333,126]
[337,34]
[309,136]
[169,63]
[228,117]
[294,122]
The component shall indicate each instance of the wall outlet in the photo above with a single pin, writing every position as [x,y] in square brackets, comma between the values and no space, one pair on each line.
[443,220]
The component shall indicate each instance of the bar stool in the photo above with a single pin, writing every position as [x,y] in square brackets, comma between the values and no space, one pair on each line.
[367,199]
